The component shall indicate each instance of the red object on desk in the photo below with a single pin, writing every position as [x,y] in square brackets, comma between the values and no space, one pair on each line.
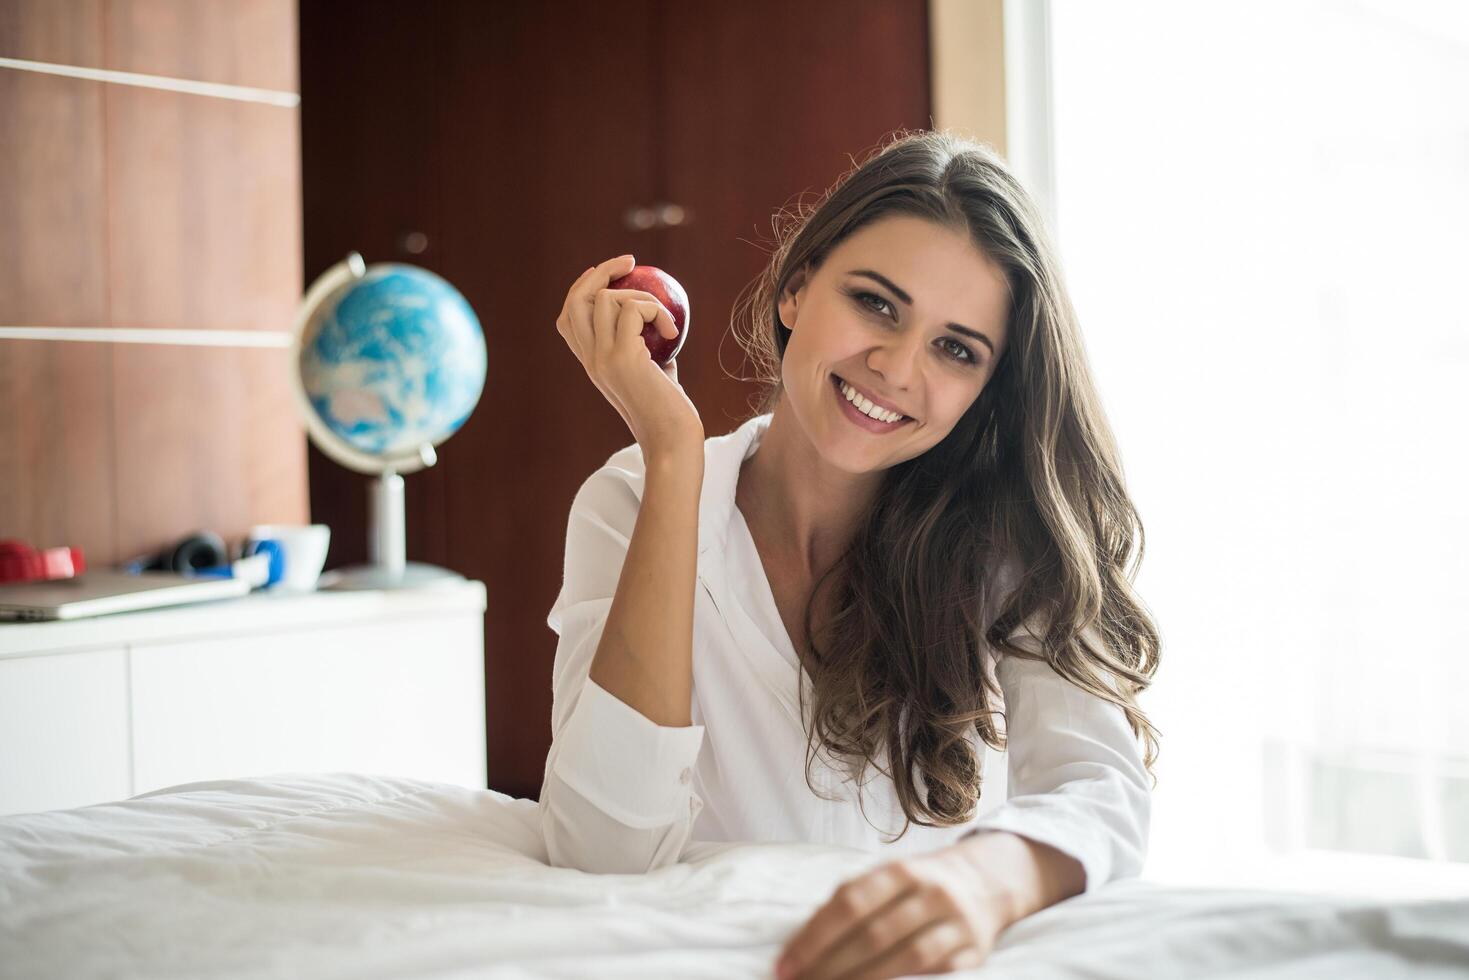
[19,562]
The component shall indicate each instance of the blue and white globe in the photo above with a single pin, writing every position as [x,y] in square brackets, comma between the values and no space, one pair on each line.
[390,362]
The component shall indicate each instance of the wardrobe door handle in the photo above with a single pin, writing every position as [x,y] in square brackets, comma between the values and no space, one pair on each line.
[639,218]
[412,243]
[663,215]
[672,215]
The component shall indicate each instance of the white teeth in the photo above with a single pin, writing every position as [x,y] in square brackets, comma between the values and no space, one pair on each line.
[866,407]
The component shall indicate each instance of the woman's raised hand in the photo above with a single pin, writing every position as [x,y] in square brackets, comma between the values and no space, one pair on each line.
[604,329]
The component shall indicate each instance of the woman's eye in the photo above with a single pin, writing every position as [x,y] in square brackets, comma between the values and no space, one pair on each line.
[957,351]
[864,297]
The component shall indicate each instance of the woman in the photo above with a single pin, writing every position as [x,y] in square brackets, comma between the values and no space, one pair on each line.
[924,532]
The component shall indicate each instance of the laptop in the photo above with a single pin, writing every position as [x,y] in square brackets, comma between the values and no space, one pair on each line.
[100,591]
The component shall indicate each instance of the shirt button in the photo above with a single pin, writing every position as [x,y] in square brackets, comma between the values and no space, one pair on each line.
[685,776]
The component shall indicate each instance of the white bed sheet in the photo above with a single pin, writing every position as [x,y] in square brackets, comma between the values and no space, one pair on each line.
[347,875]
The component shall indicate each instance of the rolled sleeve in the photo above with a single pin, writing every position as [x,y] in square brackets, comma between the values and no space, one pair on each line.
[636,771]
[1076,776]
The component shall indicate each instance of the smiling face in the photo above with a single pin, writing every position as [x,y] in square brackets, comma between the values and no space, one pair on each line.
[912,316]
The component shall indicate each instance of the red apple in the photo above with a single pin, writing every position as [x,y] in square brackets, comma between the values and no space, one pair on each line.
[651,279]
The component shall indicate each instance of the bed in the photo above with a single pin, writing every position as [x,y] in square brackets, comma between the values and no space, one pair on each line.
[350,875]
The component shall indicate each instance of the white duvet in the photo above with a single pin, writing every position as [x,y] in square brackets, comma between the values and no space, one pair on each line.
[355,876]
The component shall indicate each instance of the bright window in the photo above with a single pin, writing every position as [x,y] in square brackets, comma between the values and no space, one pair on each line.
[1263,213]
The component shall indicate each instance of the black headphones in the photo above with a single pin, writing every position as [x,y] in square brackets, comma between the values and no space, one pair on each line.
[202,549]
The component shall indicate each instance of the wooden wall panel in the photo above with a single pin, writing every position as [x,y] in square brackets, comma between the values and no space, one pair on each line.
[249,43]
[53,201]
[206,438]
[56,448]
[56,478]
[130,207]
[205,226]
[63,32]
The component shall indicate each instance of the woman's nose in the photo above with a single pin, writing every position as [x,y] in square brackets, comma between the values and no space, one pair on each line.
[897,360]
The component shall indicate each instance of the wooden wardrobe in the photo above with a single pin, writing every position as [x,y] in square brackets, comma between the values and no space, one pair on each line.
[507,146]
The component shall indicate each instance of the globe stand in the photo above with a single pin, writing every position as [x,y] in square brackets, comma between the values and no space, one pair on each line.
[387,566]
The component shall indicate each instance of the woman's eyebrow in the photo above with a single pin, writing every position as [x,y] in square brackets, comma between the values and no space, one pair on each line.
[907,300]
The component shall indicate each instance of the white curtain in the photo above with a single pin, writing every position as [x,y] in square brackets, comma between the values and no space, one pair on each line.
[1263,215]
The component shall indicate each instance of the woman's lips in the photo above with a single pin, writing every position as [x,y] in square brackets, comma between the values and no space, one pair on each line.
[860,420]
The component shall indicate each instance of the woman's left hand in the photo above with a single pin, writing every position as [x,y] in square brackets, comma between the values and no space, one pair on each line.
[927,914]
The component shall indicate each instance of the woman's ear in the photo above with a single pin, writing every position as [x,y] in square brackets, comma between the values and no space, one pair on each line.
[790,298]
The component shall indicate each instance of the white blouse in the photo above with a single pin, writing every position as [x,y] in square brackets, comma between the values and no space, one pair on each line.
[623,794]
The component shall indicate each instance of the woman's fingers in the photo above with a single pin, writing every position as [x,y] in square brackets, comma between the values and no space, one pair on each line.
[841,918]
[578,317]
[666,325]
[879,938]
[600,275]
[578,308]
[606,311]
[618,317]
[653,310]
[567,324]
[630,327]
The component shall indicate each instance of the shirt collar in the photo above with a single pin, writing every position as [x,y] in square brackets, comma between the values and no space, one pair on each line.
[723,456]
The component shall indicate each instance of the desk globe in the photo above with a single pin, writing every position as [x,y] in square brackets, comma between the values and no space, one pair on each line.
[388,361]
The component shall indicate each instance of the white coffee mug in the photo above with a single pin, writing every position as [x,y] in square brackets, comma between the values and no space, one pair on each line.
[303,552]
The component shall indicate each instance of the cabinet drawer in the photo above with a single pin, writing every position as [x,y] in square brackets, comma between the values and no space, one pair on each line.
[63,730]
[400,697]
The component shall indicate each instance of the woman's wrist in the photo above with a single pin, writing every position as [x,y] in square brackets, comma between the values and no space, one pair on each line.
[680,458]
[1017,875]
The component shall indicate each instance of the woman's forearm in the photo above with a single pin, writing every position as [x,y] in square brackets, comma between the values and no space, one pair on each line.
[645,655]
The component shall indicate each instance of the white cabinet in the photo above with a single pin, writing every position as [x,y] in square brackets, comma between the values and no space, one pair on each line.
[63,730]
[390,683]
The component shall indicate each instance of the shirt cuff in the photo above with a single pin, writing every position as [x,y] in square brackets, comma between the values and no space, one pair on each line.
[638,772]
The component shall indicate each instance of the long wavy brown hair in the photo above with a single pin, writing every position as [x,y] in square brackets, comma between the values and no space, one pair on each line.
[1028,479]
